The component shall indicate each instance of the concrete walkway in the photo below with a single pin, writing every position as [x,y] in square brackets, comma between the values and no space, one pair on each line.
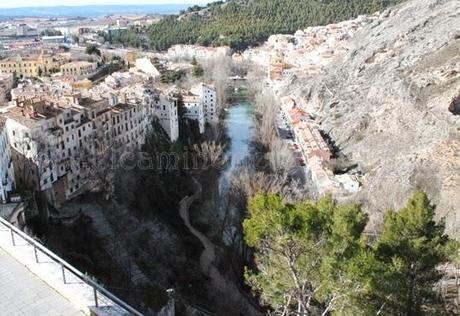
[23,293]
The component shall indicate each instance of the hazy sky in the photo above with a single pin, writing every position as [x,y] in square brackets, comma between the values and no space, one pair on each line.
[43,3]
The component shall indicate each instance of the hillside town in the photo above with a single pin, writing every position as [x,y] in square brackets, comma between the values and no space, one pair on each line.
[195,162]
[307,53]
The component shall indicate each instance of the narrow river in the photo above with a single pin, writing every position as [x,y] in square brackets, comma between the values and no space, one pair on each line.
[240,125]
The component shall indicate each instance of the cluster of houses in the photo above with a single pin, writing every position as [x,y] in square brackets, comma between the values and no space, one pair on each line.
[317,152]
[50,127]
[308,50]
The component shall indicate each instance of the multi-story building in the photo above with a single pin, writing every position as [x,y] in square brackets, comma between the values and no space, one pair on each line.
[208,95]
[29,66]
[32,132]
[276,67]
[165,110]
[7,183]
[193,105]
[54,140]
[79,69]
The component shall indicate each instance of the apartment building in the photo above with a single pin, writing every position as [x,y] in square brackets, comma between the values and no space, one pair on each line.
[193,105]
[7,183]
[53,139]
[165,110]
[29,66]
[79,69]
[208,95]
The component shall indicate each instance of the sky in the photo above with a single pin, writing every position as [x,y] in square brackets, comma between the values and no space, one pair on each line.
[47,3]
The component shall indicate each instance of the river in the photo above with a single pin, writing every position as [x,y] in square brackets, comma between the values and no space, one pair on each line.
[240,126]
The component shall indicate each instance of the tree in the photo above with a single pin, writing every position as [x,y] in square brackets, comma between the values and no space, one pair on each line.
[304,253]
[313,258]
[50,32]
[197,69]
[93,50]
[410,248]
[15,79]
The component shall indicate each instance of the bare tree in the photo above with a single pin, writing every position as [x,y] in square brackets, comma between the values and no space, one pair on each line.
[280,157]
[211,153]
[218,70]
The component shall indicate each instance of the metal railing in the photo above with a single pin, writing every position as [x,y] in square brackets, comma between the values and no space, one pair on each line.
[100,294]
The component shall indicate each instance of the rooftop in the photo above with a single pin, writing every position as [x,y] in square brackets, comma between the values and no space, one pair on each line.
[17,114]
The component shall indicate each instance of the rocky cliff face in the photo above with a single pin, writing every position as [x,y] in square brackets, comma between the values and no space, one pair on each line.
[388,105]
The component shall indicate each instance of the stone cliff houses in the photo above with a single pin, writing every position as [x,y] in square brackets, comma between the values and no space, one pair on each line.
[51,140]
[54,128]
[7,183]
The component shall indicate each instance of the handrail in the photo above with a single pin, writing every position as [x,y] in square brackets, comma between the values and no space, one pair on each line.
[97,287]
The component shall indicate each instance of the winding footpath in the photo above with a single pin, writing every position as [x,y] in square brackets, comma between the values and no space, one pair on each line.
[226,288]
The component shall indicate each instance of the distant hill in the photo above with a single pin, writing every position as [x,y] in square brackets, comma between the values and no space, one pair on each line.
[91,10]
[240,23]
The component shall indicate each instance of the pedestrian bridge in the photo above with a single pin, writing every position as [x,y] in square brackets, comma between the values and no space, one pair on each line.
[35,281]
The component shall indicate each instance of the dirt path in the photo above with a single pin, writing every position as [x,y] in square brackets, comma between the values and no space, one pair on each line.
[228,291]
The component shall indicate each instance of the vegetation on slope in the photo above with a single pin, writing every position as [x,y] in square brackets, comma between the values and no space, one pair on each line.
[244,23]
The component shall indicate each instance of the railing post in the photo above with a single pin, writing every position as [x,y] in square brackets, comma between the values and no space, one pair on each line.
[12,237]
[63,274]
[95,297]
[36,254]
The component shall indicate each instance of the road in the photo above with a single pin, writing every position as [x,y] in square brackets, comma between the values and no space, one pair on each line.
[285,133]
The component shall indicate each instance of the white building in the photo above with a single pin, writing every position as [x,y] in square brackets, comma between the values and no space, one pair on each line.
[7,183]
[208,95]
[165,110]
[194,110]
[199,52]
[31,133]
[57,138]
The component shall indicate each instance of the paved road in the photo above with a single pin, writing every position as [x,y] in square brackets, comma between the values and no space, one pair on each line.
[285,133]
[23,293]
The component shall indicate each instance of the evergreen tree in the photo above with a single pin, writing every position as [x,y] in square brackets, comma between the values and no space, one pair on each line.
[313,258]
[305,254]
[410,248]
[15,79]
[197,69]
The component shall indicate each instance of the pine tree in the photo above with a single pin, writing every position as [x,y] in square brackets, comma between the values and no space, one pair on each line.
[410,248]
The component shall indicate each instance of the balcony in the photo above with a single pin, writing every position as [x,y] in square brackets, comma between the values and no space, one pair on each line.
[62,283]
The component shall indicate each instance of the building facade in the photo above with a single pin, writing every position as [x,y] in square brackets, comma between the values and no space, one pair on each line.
[208,95]
[7,183]
[29,66]
[79,69]
[165,110]
[193,110]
